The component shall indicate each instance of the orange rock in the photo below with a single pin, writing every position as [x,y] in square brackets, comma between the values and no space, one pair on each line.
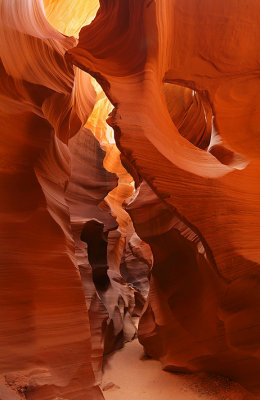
[45,334]
[133,48]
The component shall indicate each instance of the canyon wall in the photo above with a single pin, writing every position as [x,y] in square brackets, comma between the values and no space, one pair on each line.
[183,79]
[45,335]
[83,204]
[63,301]
[102,245]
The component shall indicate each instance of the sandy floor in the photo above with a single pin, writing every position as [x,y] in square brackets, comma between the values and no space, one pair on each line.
[128,375]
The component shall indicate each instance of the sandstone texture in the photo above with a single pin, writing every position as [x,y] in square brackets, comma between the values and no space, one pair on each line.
[183,79]
[45,333]
[130,190]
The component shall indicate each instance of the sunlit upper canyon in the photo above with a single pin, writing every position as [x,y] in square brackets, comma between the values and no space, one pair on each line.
[130,200]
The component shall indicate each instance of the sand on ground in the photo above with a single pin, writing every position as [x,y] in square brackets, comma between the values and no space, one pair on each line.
[129,375]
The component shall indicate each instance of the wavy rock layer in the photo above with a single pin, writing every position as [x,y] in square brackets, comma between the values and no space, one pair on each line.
[89,184]
[59,244]
[45,333]
[110,300]
[205,171]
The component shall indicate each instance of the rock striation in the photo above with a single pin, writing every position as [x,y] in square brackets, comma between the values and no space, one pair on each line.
[45,335]
[197,147]
[64,302]
[100,247]
[155,215]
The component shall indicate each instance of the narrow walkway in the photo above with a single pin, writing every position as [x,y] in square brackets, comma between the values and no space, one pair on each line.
[128,375]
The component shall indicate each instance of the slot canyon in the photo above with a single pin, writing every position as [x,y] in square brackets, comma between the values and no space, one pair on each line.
[130,200]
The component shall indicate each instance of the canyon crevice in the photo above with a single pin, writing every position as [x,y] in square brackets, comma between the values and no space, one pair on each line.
[130,194]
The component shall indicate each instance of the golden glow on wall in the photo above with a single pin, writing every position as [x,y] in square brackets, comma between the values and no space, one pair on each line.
[112,162]
[97,120]
[68,16]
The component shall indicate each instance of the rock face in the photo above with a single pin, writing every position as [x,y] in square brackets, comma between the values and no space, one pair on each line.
[80,213]
[203,225]
[63,300]
[89,184]
[45,333]
[111,302]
